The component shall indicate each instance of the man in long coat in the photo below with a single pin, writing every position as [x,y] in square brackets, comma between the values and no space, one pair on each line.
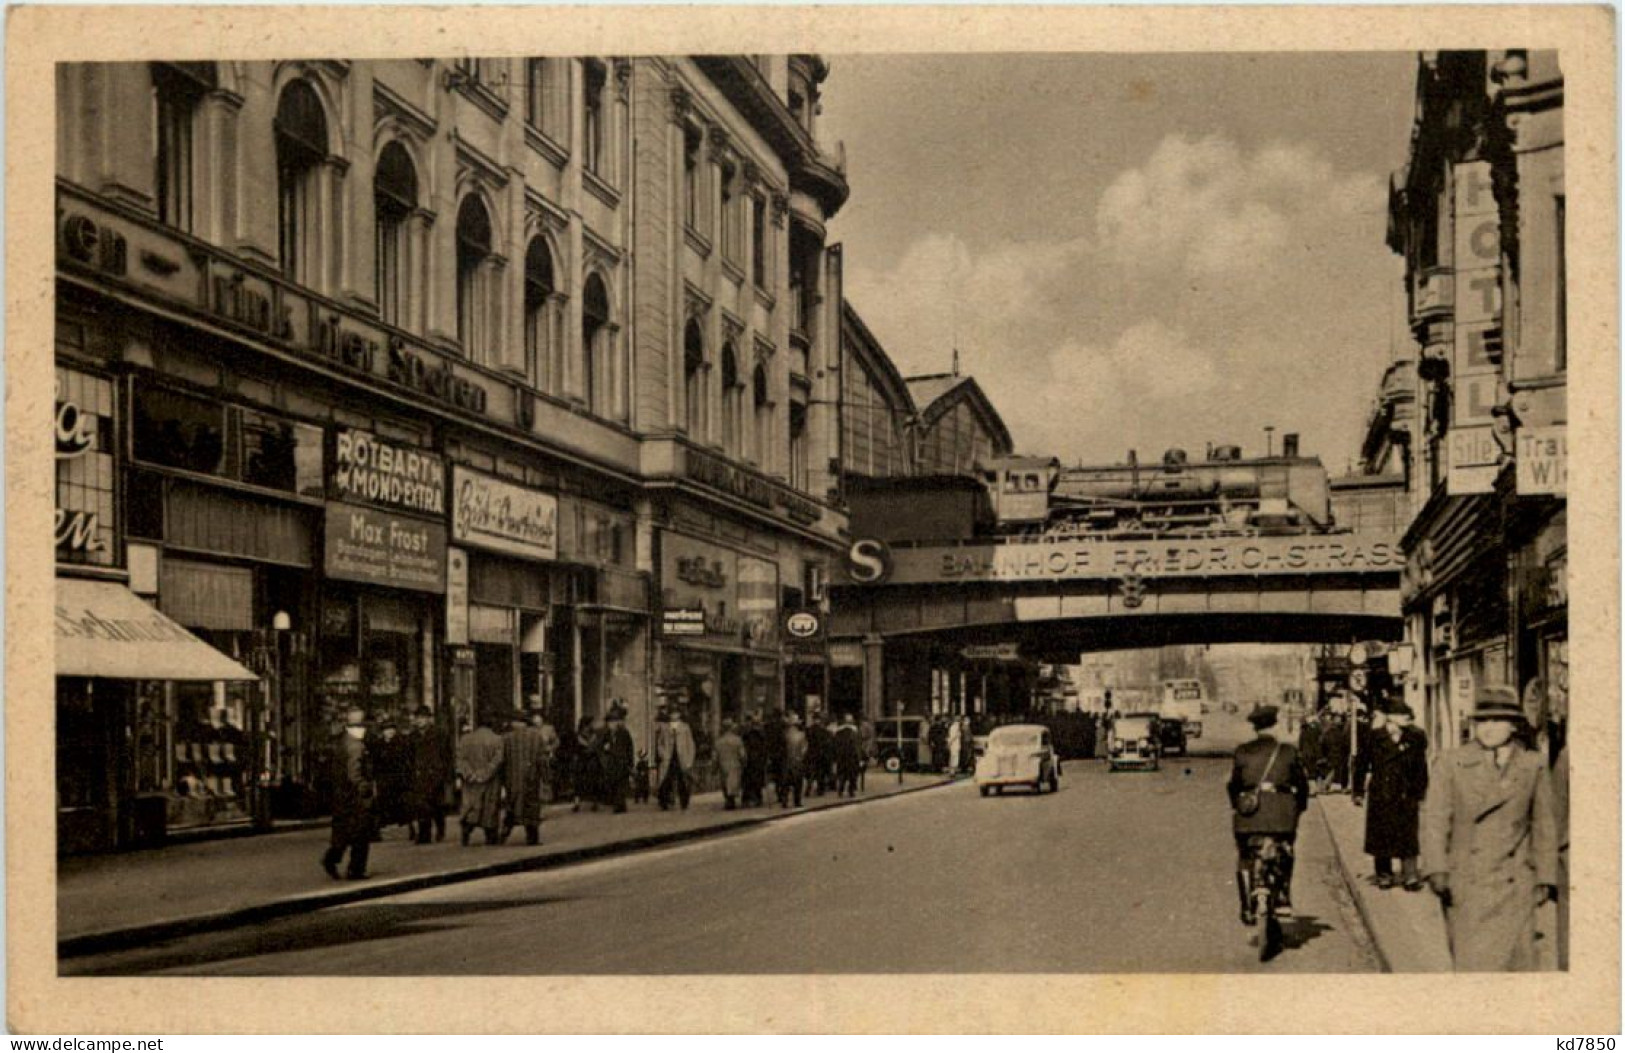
[773,732]
[675,761]
[730,753]
[1309,748]
[754,780]
[431,771]
[617,760]
[479,762]
[1489,839]
[354,795]
[848,757]
[1391,777]
[524,773]
[820,747]
[795,762]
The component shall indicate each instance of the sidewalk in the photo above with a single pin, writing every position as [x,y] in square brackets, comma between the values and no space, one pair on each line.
[114,901]
[1407,927]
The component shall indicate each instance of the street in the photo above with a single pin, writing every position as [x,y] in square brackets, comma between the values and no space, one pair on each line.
[1117,873]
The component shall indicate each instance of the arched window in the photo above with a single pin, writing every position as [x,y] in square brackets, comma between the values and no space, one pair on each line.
[301,147]
[694,381]
[395,195]
[177,90]
[764,417]
[539,310]
[733,402]
[473,250]
[597,376]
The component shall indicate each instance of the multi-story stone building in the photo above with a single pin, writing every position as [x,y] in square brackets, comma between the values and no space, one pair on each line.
[415,383]
[1478,213]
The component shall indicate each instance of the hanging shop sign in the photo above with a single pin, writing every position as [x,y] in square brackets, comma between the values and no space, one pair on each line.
[495,514]
[378,548]
[1543,461]
[759,600]
[803,625]
[377,471]
[1475,460]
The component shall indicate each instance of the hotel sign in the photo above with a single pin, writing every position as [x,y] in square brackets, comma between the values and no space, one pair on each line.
[495,514]
[1108,561]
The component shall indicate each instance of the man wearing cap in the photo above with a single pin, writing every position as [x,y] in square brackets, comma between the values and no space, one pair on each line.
[1391,778]
[354,795]
[1269,767]
[1489,839]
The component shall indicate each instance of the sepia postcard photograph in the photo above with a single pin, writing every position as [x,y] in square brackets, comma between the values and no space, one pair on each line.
[846,520]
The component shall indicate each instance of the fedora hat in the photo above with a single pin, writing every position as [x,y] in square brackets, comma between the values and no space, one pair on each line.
[1496,703]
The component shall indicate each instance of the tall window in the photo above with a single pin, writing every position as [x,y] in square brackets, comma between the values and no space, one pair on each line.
[694,381]
[1562,267]
[595,133]
[598,378]
[730,210]
[691,176]
[395,194]
[539,315]
[758,241]
[764,417]
[473,252]
[733,402]
[798,445]
[177,89]
[536,92]
[301,147]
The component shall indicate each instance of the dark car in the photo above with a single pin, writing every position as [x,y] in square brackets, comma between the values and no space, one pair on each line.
[1171,736]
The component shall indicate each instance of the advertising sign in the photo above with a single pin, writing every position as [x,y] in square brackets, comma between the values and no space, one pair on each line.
[495,514]
[1543,461]
[366,545]
[682,621]
[1001,652]
[759,599]
[456,596]
[86,484]
[1474,459]
[803,629]
[385,473]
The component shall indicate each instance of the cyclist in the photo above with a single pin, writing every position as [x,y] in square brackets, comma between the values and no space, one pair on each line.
[1268,771]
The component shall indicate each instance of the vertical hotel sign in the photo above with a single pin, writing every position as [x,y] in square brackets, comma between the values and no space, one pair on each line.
[1475,376]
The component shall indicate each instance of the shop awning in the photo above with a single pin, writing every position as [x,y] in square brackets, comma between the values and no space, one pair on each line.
[103,629]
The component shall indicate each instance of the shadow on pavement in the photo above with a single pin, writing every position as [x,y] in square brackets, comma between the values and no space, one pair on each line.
[327,928]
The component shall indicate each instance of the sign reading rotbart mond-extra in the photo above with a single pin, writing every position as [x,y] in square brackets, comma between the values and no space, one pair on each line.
[1105,560]
[377,471]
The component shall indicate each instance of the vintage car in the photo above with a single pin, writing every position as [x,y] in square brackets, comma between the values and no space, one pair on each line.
[1018,755]
[903,743]
[1135,742]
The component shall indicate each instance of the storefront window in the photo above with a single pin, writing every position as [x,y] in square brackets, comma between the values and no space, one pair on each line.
[179,430]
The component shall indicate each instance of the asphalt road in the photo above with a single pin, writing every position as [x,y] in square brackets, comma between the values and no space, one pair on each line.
[1116,873]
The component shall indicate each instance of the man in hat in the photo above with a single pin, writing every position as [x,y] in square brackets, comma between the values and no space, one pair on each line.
[618,758]
[1391,777]
[1269,767]
[1489,839]
[354,795]
[431,772]
[848,757]
[675,760]
[479,762]
[754,780]
[524,773]
[730,755]
[794,764]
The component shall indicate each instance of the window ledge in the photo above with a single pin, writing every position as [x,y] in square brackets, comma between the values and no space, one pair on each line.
[483,97]
[733,270]
[546,145]
[697,241]
[765,298]
[600,188]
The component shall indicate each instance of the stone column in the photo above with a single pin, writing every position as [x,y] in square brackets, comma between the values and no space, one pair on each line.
[441,272]
[254,229]
[356,240]
[215,167]
[874,671]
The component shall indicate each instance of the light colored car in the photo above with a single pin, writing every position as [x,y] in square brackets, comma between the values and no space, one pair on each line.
[1018,755]
[1135,742]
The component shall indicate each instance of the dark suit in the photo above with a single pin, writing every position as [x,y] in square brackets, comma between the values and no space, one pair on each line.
[1393,775]
[354,795]
[848,760]
[616,765]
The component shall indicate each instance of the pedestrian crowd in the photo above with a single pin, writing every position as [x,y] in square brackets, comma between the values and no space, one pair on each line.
[499,774]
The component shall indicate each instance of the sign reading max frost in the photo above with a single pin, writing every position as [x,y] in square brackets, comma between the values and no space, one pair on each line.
[1067,561]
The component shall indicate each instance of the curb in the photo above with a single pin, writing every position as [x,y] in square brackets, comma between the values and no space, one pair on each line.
[1353,891]
[128,937]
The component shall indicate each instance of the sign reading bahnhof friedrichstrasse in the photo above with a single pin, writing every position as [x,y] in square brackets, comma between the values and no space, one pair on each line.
[1193,558]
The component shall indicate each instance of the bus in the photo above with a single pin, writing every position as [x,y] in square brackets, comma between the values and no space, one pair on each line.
[1183,699]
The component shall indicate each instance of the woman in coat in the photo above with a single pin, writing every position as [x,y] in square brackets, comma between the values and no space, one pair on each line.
[730,753]
[1392,776]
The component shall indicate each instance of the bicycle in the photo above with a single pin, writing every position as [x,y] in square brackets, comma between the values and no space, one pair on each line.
[1266,872]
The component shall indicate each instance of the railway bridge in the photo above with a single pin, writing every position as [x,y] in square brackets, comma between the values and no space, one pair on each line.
[913,621]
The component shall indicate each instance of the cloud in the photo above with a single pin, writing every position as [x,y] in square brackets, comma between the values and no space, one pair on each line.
[1209,291]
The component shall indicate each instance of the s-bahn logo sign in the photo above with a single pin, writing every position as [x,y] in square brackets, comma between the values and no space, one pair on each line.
[869,561]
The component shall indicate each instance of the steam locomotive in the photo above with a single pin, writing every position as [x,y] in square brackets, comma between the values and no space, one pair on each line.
[1222,494]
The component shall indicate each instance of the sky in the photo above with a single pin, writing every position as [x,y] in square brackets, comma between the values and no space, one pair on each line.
[1131,251]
